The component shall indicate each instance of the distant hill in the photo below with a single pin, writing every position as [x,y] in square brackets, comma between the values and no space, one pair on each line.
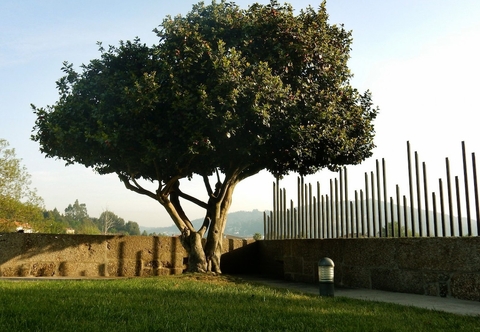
[241,223]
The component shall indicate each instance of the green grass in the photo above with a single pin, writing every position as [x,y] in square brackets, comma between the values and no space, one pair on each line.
[201,303]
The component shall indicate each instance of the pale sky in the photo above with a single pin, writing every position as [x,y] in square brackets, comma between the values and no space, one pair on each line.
[419,58]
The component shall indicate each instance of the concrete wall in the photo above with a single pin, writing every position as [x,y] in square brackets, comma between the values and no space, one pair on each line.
[48,255]
[430,266]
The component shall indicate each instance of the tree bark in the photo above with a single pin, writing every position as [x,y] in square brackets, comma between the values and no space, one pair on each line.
[192,242]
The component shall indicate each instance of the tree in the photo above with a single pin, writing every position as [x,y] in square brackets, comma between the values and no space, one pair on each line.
[257,236]
[18,201]
[106,221]
[132,228]
[394,227]
[226,92]
[76,214]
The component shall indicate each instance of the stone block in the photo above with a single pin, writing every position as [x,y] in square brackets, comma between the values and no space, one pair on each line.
[397,281]
[466,286]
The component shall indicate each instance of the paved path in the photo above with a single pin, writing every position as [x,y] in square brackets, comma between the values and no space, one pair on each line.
[447,304]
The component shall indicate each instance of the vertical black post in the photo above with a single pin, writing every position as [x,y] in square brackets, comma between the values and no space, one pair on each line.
[301,208]
[315,219]
[391,215]
[367,205]
[435,224]
[398,212]
[374,210]
[379,202]
[284,203]
[442,208]
[347,205]
[419,196]
[475,185]
[425,191]
[329,212]
[405,214]
[363,213]
[467,196]
[275,199]
[385,207]
[265,225]
[280,216]
[310,212]
[410,185]
[449,193]
[324,217]
[306,210]
[340,203]
[352,217]
[357,215]
[295,223]
[336,210]
[459,207]
[319,209]
[293,230]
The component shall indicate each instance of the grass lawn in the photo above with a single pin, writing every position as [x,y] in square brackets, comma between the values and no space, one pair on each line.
[201,303]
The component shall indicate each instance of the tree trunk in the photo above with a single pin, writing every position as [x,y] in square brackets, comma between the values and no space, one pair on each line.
[192,242]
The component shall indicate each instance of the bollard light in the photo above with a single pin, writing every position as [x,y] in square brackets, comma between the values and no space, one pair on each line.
[325,276]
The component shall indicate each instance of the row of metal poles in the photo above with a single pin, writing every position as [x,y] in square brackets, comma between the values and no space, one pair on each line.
[371,214]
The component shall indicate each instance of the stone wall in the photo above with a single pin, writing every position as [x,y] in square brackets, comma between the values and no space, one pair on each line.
[48,255]
[430,266]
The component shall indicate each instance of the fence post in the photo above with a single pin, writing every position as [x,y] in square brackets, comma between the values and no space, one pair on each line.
[467,196]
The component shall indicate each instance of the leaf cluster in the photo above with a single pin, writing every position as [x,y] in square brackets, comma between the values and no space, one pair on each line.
[239,90]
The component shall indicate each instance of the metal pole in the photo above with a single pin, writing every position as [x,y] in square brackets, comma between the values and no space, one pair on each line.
[367,205]
[363,213]
[379,203]
[310,211]
[275,185]
[324,217]
[319,210]
[374,210]
[450,204]
[405,214]
[340,202]
[419,197]
[442,208]
[391,215]
[398,212]
[425,191]
[293,229]
[329,212]
[385,207]
[357,215]
[346,202]
[475,185]
[336,210]
[435,225]
[410,184]
[315,219]
[467,196]
[459,207]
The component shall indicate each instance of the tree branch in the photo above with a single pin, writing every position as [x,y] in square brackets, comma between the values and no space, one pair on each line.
[207,185]
[136,188]
[192,199]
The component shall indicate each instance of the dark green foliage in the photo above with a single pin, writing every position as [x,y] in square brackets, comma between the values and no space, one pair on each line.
[238,90]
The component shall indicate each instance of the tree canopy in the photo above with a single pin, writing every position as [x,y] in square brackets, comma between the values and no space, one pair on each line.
[226,90]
